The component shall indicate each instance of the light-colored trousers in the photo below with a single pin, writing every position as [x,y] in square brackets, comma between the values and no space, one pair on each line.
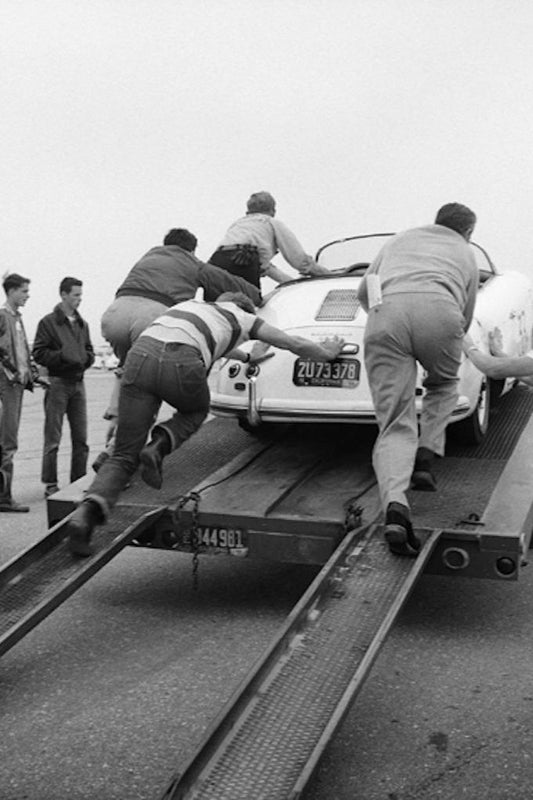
[121,325]
[403,330]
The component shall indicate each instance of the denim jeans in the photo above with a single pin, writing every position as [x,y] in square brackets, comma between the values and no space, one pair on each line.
[10,411]
[62,398]
[154,372]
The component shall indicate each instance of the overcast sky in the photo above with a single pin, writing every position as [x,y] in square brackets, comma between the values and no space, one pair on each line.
[120,119]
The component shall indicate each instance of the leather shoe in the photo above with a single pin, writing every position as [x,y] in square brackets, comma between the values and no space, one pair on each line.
[80,526]
[399,533]
[423,479]
[151,459]
[11,506]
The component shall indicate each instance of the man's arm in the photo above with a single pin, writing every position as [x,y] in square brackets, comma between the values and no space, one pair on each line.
[89,349]
[500,366]
[472,289]
[276,274]
[293,252]
[215,281]
[325,351]
[43,352]
[362,292]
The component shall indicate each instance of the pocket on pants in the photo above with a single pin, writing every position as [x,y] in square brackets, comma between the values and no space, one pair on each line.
[191,381]
[132,369]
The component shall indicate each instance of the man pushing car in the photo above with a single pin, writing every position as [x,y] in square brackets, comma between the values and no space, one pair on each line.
[419,293]
[170,363]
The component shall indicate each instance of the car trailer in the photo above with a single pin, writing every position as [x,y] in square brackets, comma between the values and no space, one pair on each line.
[302,495]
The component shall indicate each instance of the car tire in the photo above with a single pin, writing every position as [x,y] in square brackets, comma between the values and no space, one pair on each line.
[472,429]
[496,388]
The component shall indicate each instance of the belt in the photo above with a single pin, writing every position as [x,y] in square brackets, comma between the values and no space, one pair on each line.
[237,247]
[174,345]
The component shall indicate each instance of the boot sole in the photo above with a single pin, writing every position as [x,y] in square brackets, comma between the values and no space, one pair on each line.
[423,482]
[397,537]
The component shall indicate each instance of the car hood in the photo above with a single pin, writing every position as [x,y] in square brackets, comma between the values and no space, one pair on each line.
[323,302]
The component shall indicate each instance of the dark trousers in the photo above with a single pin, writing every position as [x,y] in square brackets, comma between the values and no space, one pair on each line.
[243,263]
[154,372]
[10,411]
[62,398]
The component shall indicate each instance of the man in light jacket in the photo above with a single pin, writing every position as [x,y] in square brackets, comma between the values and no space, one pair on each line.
[252,241]
[18,372]
[419,294]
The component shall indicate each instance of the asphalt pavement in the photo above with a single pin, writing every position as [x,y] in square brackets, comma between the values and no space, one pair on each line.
[109,696]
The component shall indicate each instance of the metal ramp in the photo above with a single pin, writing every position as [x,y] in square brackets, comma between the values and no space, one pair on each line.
[268,740]
[38,580]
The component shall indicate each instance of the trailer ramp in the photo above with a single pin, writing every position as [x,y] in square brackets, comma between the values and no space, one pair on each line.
[38,580]
[268,740]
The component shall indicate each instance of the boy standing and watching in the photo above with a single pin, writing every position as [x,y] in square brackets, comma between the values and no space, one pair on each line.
[17,373]
[63,345]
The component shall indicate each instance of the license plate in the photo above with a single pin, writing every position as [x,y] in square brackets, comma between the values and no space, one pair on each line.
[343,373]
[221,538]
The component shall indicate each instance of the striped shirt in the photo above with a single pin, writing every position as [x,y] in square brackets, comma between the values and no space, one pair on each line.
[213,328]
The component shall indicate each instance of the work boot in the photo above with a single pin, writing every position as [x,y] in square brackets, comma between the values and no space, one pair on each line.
[399,533]
[423,479]
[9,505]
[80,526]
[152,456]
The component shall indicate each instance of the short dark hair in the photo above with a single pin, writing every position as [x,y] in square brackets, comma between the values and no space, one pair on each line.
[67,284]
[182,237]
[239,298]
[14,281]
[456,216]
[260,203]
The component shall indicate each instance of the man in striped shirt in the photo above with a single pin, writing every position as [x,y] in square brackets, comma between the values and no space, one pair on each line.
[170,363]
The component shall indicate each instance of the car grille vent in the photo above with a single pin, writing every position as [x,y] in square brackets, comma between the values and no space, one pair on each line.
[339,304]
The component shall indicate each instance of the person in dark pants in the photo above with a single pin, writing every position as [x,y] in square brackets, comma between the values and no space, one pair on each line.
[252,241]
[170,362]
[63,346]
[164,276]
[18,372]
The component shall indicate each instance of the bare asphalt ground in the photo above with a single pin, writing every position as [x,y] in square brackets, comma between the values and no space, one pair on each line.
[109,695]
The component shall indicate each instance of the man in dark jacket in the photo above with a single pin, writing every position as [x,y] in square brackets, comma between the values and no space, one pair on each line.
[63,345]
[164,276]
[170,362]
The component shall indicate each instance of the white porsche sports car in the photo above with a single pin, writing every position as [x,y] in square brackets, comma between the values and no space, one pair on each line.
[290,389]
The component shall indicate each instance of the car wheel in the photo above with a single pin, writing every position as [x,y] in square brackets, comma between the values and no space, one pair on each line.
[472,429]
[496,389]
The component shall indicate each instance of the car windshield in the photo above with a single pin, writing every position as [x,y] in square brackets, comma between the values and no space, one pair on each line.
[355,253]
[352,254]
